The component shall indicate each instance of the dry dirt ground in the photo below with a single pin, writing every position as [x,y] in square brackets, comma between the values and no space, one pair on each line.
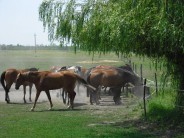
[16,96]
[81,100]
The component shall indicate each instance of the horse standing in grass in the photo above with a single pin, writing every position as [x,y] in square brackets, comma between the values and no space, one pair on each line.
[115,78]
[46,80]
[8,77]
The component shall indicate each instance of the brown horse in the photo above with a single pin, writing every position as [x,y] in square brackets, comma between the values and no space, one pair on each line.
[73,69]
[9,76]
[112,77]
[46,80]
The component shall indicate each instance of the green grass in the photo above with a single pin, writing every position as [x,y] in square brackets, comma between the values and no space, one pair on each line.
[44,59]
[17,121]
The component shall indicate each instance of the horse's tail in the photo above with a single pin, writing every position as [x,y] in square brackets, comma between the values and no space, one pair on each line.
[84,82]
[3,79]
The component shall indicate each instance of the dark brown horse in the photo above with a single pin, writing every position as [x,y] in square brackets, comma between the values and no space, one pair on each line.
[112,77]
[46,80]
[8,77]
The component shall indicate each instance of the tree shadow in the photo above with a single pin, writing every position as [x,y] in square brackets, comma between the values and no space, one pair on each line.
[139,129]
[61,110]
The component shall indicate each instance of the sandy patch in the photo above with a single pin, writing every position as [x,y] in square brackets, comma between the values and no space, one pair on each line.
[100,61]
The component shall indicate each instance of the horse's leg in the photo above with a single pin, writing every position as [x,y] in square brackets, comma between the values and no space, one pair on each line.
[24,88]
[99,92]
[36,98]
[91,97]
[97,95]
[30,91]
[8,86]
[63,96]
[105,90]
[67,97]
[117,93]
[7,99]
[60,93]
[72,97]
[49,97]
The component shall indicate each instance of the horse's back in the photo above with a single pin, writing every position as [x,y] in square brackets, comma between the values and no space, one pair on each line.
[11,74]
[57,80]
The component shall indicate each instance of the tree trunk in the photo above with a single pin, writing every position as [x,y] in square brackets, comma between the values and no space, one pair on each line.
[180,96]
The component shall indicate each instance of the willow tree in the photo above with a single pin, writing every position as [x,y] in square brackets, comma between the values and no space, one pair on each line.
[153,28]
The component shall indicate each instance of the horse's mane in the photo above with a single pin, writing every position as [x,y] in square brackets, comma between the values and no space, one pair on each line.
[32,69]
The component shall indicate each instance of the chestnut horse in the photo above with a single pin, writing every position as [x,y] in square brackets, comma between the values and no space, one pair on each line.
[9,76]
[73,69]
[46,80]
[112,77]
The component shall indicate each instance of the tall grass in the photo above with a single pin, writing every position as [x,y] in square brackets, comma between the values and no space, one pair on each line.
[162,109]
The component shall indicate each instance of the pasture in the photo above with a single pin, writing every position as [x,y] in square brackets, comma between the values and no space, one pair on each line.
[85,121]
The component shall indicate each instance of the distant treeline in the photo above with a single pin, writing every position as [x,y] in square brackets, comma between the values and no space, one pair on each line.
[40,47]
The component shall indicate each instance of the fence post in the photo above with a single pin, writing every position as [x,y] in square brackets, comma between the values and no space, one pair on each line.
[141,72]
[130,63]
[144,99]
[136,68]
[156,85]
[150,66]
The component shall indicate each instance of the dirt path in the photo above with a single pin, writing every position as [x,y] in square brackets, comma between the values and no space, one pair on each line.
[81,100]
[17,95]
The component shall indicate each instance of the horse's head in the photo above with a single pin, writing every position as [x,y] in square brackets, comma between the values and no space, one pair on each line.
[20,80]
[132,77]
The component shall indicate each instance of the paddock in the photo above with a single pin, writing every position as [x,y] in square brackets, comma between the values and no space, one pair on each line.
[81,99]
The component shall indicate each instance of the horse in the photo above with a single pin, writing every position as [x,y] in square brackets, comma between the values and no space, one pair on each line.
[116,92]
[46,81]
[113,77]
[73,69]
[9,76]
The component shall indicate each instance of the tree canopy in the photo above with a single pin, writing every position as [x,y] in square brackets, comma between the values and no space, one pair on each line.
[154,28]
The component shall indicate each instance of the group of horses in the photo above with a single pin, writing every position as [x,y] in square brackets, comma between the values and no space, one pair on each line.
[66,77]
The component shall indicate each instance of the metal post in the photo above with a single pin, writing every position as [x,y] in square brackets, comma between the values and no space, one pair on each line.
[35,41]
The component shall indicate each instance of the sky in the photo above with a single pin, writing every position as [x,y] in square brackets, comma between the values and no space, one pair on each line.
[19,21]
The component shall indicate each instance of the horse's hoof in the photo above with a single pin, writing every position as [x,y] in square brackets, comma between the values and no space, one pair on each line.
[68,107]
[118,103]
[97,103]
[49,109]
[7,101]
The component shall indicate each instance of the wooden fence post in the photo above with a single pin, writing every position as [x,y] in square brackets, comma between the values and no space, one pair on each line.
[141,72]
[144,99]
[156,85]
[130,63]
[136,68]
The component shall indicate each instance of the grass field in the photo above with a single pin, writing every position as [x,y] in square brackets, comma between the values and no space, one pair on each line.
[44,59]
[84,121]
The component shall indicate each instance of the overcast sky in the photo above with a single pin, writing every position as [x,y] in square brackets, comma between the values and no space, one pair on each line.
[19,21]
